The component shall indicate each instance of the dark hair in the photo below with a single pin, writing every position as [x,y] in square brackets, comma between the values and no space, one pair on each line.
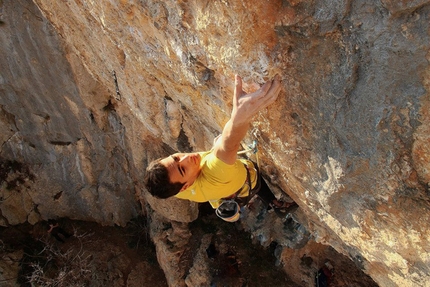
[158,183]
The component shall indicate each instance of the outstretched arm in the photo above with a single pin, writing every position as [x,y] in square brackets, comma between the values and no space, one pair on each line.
[245,106]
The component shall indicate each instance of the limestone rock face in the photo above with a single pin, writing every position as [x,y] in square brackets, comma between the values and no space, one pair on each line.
[59,125]
[10,267]
[91,91]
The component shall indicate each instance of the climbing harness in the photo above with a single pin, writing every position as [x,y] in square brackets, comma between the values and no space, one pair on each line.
[256,165]
[229,209]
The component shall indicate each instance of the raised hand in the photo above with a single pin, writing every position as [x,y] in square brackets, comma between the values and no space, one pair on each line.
[245,106]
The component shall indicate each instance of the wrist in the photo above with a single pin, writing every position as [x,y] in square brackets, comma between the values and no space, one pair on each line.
[239,120]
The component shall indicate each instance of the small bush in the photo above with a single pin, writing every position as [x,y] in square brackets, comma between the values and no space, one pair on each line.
[54,266]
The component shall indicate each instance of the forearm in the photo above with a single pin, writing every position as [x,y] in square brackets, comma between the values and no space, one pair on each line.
[245,107]
[232,135]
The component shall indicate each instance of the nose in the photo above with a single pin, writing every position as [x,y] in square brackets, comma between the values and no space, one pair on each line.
[183,158]
[188,159]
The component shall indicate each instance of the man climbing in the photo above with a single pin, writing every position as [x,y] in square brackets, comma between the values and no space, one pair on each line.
[216,174]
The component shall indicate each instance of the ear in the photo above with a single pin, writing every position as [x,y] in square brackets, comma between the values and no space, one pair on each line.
[184,187]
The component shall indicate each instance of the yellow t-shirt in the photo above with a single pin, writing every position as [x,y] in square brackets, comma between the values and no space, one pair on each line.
[217,180]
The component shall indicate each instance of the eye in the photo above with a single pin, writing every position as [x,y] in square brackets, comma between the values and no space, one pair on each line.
[181,169]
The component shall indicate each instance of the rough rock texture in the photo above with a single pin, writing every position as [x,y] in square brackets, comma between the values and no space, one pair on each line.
[88,101]
[9,266]
[58,122]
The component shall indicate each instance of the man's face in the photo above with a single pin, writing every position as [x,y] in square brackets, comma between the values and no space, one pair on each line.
[182,167]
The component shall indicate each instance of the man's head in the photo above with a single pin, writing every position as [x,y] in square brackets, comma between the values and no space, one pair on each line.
[168,176]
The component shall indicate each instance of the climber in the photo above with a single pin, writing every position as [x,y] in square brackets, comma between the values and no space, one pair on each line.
[217,174]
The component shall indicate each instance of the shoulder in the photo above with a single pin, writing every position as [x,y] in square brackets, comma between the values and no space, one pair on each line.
[212,162]
[215,170]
